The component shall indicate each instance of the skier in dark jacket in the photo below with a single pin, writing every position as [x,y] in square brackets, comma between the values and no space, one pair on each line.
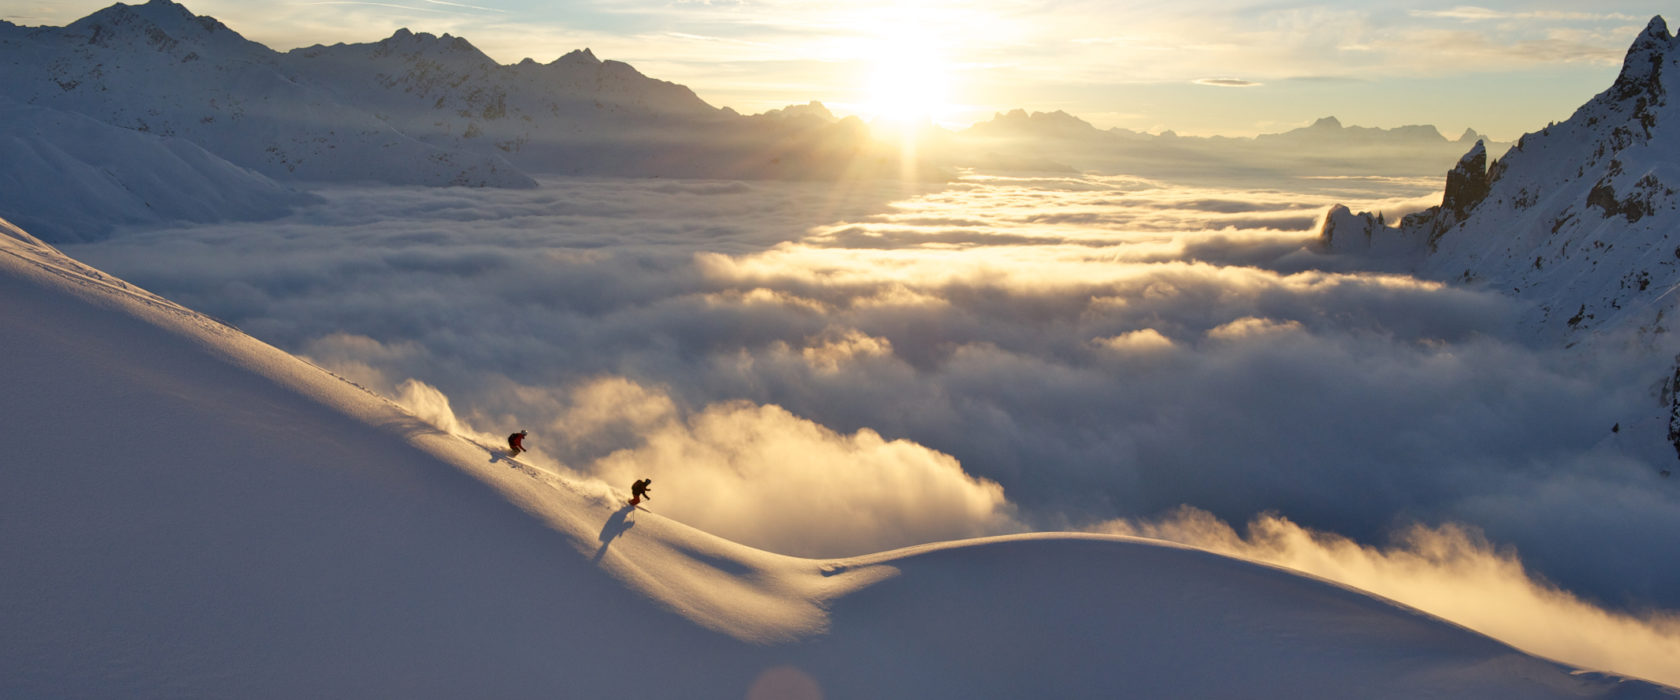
[516,443]
[639,490]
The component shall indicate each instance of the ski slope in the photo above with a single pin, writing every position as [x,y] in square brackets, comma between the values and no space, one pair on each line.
[188,512]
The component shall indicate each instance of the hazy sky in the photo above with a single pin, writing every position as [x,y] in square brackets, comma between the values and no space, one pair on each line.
[1194,66]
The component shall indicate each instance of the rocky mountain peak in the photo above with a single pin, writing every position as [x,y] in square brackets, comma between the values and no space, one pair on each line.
[1057,124]
[812,110]
[1467,183]
[449,47]
[1577,219]
[160,15]
[163,26]
[1642,68]
[577,57]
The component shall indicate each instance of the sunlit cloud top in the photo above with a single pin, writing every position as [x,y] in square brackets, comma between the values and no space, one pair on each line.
[1502,68]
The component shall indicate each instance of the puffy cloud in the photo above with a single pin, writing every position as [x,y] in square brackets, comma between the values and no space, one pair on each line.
[1140,341]
[1251,327]
[614,404]
[755,474]
[829,354]
[763,476]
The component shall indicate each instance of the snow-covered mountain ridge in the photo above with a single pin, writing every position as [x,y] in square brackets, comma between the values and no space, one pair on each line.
[416,108]
[73,177]
[1576,217]
[230,521]
[411,109]
[157,68]
[1577,220]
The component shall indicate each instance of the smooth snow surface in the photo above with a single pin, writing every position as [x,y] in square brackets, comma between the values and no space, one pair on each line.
[68,177]
[188,512]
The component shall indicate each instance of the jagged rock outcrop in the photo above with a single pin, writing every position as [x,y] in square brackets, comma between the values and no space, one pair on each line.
[1578,220]
[1671,397]
[1467,183]
[1578,217]
[1364,233]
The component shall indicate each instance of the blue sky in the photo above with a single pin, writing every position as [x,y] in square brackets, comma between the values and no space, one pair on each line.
[1193,66]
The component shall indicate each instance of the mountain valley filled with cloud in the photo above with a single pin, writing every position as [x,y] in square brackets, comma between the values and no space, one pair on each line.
[1173,339]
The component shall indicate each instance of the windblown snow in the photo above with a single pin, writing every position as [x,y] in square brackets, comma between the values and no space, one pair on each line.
[188,512]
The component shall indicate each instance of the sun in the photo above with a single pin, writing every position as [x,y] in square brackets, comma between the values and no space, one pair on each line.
[908,81]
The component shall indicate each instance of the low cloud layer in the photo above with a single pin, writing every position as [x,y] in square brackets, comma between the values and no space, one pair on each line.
[826,371]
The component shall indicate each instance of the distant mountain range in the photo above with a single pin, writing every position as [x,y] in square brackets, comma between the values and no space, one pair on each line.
[1324,149]
[421,109]
[411,109]
[1577,220]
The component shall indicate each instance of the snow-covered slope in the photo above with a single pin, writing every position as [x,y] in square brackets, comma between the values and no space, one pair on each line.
[579,115]
[411,109]
[157,68]
[188,512]
[1578,220]
[72,177]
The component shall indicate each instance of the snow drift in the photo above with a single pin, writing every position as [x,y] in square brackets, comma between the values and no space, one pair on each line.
[188,512]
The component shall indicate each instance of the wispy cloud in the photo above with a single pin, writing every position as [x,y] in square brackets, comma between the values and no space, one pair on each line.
[1479,14]
[1227,82]
[387,5]
[464,6]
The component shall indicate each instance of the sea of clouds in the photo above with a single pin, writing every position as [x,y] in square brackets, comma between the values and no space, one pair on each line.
[828,370]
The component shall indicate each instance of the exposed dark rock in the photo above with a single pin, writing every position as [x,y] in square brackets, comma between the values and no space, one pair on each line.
[1467,183]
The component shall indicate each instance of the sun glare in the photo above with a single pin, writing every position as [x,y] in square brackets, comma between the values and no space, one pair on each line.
[909,82]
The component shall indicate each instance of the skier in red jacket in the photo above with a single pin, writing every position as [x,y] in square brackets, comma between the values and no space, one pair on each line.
[516,443]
